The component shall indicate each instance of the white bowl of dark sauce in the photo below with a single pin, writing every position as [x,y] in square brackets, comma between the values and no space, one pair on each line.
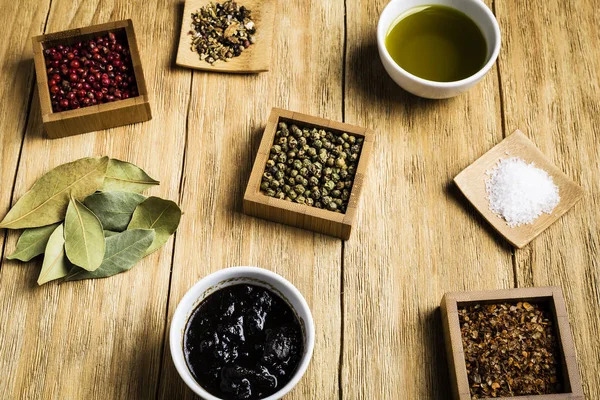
[242,333]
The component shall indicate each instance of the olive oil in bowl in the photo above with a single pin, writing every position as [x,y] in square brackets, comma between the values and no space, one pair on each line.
[437,43]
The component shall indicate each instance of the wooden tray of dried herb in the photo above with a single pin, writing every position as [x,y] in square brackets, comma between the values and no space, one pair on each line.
[510,344]
[208,25]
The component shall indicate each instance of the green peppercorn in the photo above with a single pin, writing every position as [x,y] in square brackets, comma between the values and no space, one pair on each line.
[267,176]
[270,192]
[318,204]
[282,157]
[347,184]
[294,173]
[326,200]
[353,157]
[313,181]
[286,188]
[291,181]
[324,192]
[329,185]
[282,140]
[340,185]
[274,184]
[292,142]
[307,193]
[335,177]
[318,144]
[343,174]
[292,195]
[282,125]
[276,149]
[264,185]
[336,193]
[310,202]
[302,141]
[270,163]
[311,152]
[296,131]
[345,136]
[299,189]
[279,175]
[306,163]
[332,206]
[280,195]
[352,139]
[351,170]
[304,171]
[331,161]
[315,193]
[300,199]
[345,194]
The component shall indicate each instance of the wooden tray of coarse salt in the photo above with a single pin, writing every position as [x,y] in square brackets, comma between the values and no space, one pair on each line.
[518,190]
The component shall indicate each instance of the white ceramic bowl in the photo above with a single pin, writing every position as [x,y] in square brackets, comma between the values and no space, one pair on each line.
[475,9]
[231,276]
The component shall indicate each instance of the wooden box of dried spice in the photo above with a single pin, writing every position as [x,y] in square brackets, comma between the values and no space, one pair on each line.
[309,173]
[510,344]
[90,79]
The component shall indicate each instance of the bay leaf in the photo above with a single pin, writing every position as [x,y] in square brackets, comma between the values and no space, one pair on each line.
[55,264]
[126,177]
[32,242]
[108,233]
[114,209]
[84,237]
[123,251]
[159,214]
[47,200]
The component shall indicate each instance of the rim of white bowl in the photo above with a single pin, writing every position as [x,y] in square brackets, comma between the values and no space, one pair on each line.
[229,273]
[382,31]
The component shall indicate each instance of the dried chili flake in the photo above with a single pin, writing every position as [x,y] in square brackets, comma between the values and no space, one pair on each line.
[511,349]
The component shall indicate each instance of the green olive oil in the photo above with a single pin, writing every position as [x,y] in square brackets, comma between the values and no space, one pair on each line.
[437,43]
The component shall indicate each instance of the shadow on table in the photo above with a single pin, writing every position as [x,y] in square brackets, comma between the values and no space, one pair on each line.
[179,7]
[439,382]
[456,196]
[367,75]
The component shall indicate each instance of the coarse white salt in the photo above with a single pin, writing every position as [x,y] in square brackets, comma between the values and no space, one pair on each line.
[520,192]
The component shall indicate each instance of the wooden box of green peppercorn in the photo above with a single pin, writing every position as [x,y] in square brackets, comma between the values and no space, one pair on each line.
[309,173]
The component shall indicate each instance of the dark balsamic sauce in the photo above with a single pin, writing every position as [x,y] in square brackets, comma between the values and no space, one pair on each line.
[243,342]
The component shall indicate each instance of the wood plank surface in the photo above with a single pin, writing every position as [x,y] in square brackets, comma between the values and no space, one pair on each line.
[416,236]
[17,81]
[226,119]
[99,338]
[550,71]
[375,297]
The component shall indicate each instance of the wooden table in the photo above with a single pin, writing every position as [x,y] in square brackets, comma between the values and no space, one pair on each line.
[375,297]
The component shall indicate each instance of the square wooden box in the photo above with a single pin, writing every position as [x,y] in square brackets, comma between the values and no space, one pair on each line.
[454,348]
[303,216]
[100,116]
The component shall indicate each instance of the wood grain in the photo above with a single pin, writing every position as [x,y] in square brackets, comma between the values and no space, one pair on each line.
[223,137]
[550,72]
[103,338]
[418,237]
[257,58]
[17,81]
[472,183]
